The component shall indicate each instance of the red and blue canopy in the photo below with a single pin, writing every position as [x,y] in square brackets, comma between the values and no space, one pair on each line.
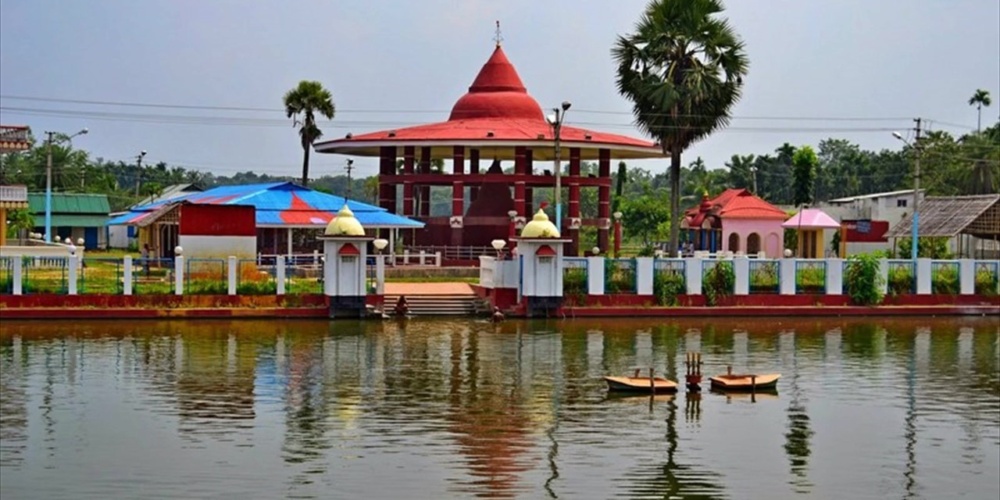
[282,204]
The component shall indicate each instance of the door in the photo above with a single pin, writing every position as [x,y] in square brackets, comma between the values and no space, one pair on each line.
[90,238]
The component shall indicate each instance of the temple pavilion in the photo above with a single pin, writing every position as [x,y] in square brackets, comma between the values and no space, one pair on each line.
[496,121]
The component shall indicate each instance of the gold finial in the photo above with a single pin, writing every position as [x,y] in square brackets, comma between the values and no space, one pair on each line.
[498,37]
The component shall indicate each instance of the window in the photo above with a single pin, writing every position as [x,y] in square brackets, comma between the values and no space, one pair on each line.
[901,203]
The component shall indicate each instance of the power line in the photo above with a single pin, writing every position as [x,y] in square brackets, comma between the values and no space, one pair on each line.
[425,111]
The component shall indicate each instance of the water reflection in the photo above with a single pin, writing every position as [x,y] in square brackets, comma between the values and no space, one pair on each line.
[446,408]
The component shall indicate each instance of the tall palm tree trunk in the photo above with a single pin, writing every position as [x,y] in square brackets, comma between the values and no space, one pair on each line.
[979,118]
[675,199]
[305,165]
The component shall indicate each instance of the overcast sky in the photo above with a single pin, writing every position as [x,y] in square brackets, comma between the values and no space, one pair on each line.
[391,63]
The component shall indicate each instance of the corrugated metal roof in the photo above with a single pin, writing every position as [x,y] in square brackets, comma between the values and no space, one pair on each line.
[70,203]
[71,220]
[278,204]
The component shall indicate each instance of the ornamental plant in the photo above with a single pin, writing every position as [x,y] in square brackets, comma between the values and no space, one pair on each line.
[719,281]
[864,279]
[667,286]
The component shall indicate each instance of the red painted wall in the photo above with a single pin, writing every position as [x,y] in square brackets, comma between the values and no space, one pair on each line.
[865,231]
[218,220]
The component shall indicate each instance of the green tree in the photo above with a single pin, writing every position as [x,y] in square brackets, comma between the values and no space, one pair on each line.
[643,216]
[683,70]
[301,104]
[979,99]
[804,163]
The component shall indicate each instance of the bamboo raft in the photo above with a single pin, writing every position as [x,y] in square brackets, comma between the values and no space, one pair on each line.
[745,381]
[636,383]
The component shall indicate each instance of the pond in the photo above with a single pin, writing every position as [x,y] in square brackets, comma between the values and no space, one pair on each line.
[464,408]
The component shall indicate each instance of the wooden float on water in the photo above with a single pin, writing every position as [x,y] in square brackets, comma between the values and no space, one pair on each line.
[636,383]
[745,381]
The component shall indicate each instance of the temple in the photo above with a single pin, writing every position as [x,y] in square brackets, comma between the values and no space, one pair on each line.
[496,121]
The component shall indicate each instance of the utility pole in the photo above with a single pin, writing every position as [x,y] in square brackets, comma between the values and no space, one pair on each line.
[48,187]
[349,167]
[753,176]
[138,171]
[916,194]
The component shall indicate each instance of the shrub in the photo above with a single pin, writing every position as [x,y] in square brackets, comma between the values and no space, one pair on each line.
[206,287]
[719,282]
[864,279]
[986,282]
[945,280]
[257,288]
[900,281]
[618,279]
[575,281]
[667,285]
[764,277]
[810,278]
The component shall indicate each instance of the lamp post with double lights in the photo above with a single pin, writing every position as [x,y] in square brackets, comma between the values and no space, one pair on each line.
[48,177]
[556,121]
[498,246]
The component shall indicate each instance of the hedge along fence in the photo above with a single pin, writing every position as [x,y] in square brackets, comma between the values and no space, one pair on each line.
[253,279]
[718,280]
[987,278]
[810,276]
[669,281]
[945,278]
[619,276]
[902,278]
[575,279]
[764,276]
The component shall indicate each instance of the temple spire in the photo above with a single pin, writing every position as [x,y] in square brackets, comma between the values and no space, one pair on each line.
[498,37]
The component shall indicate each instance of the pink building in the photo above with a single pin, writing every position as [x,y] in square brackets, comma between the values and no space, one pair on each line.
[735,221]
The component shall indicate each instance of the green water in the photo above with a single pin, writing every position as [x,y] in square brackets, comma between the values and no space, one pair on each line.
[460,408]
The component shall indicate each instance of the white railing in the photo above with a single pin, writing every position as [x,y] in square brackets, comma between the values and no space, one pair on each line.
[421,258]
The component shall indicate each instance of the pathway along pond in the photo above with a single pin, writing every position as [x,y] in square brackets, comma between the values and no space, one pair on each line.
[457,409]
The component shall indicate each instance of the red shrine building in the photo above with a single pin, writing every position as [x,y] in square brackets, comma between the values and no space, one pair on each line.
[496,121]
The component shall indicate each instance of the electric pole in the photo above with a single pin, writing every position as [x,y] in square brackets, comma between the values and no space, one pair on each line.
[916,193]
[138,171]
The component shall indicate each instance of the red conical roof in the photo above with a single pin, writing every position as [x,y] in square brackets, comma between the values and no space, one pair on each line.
[497,92]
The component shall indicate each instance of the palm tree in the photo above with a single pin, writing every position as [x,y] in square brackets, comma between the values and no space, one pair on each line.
[301,104]
[683,70]
[979,99]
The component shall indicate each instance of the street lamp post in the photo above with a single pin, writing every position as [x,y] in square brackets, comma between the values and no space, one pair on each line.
[556,120]
[138,170]
[48,179]
[914,242]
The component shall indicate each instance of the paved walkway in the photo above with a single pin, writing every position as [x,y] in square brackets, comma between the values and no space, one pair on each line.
[428,289]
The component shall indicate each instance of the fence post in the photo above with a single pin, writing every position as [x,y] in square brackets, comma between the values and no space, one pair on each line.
[380,275]
[595,275]
[17,272]
[692,275]
[279,274]
[71,273]
[179,275]
[883,270]
[232,268]
[422,255]
[834,276]
[786,276]
[437,259]
[127,275]
[923,276]
[967,276]
[644,272]
[741,270]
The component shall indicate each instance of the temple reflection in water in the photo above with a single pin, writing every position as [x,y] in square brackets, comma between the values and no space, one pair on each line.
[520,407]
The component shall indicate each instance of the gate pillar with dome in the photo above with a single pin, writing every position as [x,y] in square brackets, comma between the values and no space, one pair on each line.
[345,250]
[540,254]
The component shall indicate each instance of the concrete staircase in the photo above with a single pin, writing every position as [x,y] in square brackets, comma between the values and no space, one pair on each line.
[437,305]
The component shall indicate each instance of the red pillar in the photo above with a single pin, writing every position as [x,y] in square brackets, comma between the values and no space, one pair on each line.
[425,191]
[529,193]
[574,203]
[408,157]
[457,196]
[604,198]
[474,170]
[386,190]
[520,168]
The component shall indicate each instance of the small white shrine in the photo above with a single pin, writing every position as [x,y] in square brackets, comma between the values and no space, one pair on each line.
[540,252]
[345,249]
